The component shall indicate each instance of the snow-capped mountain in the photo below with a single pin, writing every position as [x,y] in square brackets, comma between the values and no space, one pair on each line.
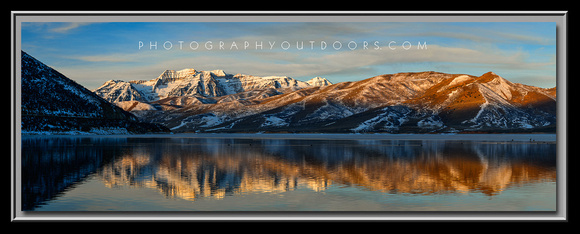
[190,100]
[490,101]
[414,102]
[318,81]
[53,103]
[191,82]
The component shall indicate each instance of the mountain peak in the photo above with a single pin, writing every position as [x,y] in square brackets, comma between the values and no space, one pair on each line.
[187,70]
[489,75]
[319,81]
[109,82]
[218,72]
[172,74]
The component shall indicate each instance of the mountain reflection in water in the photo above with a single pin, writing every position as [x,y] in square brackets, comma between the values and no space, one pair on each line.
[192,168]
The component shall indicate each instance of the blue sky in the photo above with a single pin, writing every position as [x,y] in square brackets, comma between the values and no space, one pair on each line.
[92,53]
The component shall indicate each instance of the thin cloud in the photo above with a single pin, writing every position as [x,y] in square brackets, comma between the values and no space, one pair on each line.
[106,58]
[66,27]
[53,27]
[345,61]
[521,33]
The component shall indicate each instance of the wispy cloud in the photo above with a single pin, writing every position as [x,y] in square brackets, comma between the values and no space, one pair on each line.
[107,58]
[66,27]
[53,27]
[344,61]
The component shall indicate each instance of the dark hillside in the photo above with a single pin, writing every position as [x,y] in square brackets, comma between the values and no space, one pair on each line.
[53,103]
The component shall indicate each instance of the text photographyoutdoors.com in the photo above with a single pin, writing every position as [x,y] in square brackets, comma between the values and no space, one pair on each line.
[284,45]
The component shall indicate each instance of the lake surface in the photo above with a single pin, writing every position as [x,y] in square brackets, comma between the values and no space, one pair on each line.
[288,172]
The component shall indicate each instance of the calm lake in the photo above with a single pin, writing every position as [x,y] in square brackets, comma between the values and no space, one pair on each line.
[288,172]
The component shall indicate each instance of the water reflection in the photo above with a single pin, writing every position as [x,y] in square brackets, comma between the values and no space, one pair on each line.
[194,168]
[52,165]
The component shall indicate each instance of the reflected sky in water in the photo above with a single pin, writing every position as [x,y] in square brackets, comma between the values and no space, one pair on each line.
[68,173]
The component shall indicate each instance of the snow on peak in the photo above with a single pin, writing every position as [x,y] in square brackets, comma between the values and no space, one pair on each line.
[218,72]
[188,82]
[172,74]
[108,84]
[111,82]
[187,70]
[459,79]
[190,72]
[318,81]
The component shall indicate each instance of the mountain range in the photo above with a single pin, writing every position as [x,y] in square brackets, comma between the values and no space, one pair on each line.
[191,82]
[190,100]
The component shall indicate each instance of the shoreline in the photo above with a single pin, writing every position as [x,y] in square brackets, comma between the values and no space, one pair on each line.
[493,137]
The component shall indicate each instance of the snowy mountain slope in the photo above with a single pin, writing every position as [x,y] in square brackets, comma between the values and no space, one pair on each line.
[120,91]
[53,103]
[489,101]
[214,101]
[403,102]
[191,82]
[319,81]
